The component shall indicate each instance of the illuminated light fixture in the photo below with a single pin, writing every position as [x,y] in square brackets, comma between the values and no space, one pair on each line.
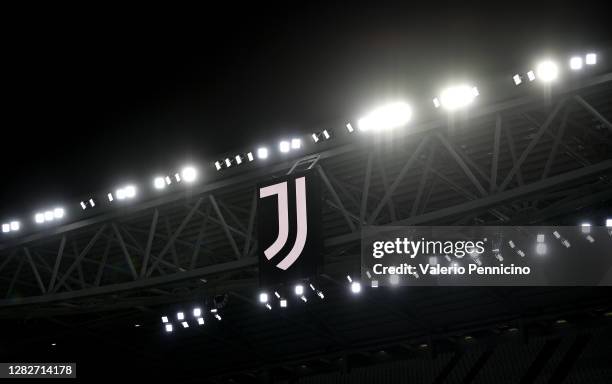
[349,128]
[83,205]
[218,316]
[262,153]
[386,117]
[277,295]
[6,228]
[137,325]
[547,71]
[283,303]
[92,203]
[299,289]
[315,138]
[304,299]
[58,213]
[39,218]
[218,165]
[312,287]
[49,216]
[517,79]
[321,295]
[368,274]
[180,316]
[296,143]
[541,247]
[284,146]
[164,319]
[159,183]
[457,97]
[238,159]
[185,324]
[268,306]
[15,225]
[355,287]
[200,321]
[325,134]
[436,102]
[168,328]
[213,310]
[197,312]
[394,279]
[11,227]
[110,197]
[374,283]
[609,223]
[575,63]
[250,156]
[591,59]
[228,162]
[348,277]
[585,228]
[126,192]
[531,76]
[263,297]
[168,180]
[189,173]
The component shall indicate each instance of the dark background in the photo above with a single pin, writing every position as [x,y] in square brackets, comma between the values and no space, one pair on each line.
[95,97]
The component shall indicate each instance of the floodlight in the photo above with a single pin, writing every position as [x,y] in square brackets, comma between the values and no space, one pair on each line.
[238,159]
[557,234]
[228,162]
[284,146]
[609,223]
[277,294]
[159,183]
[250,156]
[268,306]
[177,177]
[591,59]
[576,63]
[386,117]
[304,299]
[312,287]
[348,277]
[15,225]
[39,218]
[189,174]
[541,248]
[531,76]
[110,197]
[83,205]
[197,312]
[6,228]
[185,324]
[168,327]
[299,289]
[92,203]
[296,143]
[168,180]
[263,297]
[315,138]
[517,79]
[547,71]
[355,287]
[283,303]
[200,320]
[218,165]
[262,153]
[58,213]
[321,295]
[585,228]
[130,191]
[349,127]
[120,194]
[436,102]
[164,319]
[49,216]
[325,134]
[540,238]
[374,283]
[218,316]
[458,96]
[180,316]
[394,279]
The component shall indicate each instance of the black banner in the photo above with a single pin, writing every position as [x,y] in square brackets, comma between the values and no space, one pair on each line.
[289,226]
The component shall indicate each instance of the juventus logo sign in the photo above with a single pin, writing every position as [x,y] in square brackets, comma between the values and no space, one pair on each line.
[288,223]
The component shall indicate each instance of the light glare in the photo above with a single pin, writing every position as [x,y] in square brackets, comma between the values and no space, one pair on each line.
[591,59]
[189,174]
[159,183]
[386,117]
[547,71]
[458,97]
[284,146]
[262,153]
[576,63]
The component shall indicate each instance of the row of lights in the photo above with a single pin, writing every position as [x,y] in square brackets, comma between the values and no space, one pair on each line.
[197,319]
[380,119]
[548,70]
[299,290]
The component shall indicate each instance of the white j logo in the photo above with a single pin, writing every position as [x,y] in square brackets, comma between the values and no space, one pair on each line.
[280,190]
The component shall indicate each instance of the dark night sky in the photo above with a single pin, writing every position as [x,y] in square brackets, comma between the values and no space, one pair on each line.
[94,97]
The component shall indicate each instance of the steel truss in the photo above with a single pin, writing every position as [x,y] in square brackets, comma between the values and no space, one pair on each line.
[522,161]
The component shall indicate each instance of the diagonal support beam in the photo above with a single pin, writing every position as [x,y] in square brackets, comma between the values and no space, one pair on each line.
[58,260]
[462,164]
[128,257]
[150,238]
[593,111]
[224,225]
[399,178]
[34,270]
[495,160]
[534,141]
[336,198]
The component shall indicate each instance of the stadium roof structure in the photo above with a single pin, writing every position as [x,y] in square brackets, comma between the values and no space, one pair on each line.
[524,161]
